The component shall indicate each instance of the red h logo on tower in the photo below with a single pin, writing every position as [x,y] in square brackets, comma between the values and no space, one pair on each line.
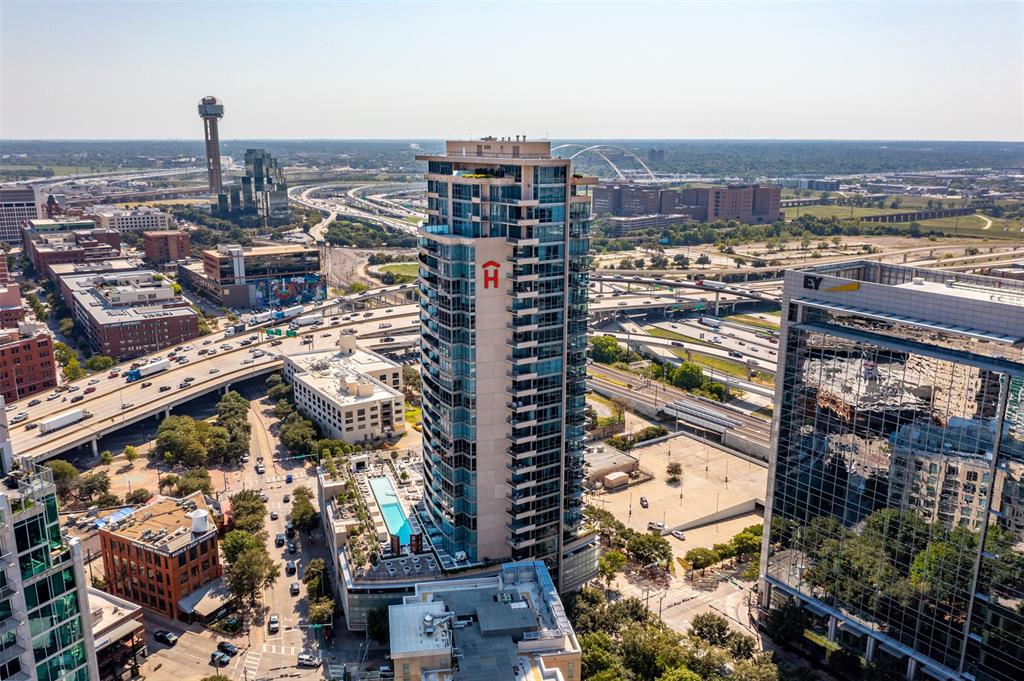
[491,274]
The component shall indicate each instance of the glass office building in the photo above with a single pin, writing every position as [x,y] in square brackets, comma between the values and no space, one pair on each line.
[503,309]
[45,628]
[896,489]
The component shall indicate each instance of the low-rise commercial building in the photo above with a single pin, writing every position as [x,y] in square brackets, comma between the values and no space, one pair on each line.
[17,204]
[262,276]
[129,314]
[167,245]
[162,552]
[26,361]
[120,636]
[510,626]
[94,267]
[622,226]
[52,242]
[130,219]
[353,395]
[11,311]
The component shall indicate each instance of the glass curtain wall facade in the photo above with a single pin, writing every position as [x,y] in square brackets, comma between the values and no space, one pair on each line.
[45,627]
[503,307]
[896,493]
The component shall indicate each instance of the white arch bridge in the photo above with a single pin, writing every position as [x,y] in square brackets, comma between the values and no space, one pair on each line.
[597,149]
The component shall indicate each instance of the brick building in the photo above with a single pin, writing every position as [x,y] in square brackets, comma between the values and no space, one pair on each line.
[167,245]
[26,361]
[129,314]
[52,242]
[11,311]
[161,552]
[749,204]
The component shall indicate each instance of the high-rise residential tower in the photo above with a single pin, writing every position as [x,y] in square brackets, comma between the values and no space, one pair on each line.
[45,627]
[211,110]
[503,309]
[895,524]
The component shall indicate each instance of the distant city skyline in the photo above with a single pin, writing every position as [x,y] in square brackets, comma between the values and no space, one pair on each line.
[893,71]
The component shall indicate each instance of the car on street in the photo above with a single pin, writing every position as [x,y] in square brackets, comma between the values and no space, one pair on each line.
[273,515]
[113,374]
[643,502]
[655,526]
[94,381]
[288,478]
[127,405]
[263,497]
[219,659]
[291,547]
[274,624]
[307,660]
[294,589]
[90,389]
[260,469]
[146,384]
[279,539]
[287,498]
[214,370]
[227,648]
[289,529]
[31,426]
[52,396]
[289,567]
[77,398]
[166,637]
[74,388]
[164,388]
[678,534]
[248,360]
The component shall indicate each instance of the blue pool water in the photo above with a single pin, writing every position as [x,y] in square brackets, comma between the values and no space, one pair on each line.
[394,515]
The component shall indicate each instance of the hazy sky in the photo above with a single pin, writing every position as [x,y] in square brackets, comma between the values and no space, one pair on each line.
[844,70]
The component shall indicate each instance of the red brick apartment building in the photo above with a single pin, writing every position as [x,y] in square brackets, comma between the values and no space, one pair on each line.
[166,245]
[161,553]
[26,362]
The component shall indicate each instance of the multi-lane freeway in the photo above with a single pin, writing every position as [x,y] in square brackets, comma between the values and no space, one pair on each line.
[115,403]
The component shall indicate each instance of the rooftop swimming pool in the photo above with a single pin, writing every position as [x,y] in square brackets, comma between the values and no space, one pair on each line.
[394,514]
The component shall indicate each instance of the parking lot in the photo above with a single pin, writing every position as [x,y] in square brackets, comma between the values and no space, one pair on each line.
[712,480]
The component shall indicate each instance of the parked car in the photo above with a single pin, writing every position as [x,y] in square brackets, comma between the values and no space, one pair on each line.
[655,526]
[289,567]
[643,502]
[294,589]
[219,659]
[292,548]
[279,539]
[227,648]
[307,660]
[274,624]
[166,637]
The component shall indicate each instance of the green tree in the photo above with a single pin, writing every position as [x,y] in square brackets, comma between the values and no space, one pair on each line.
[138,496]
[215,677]
[106,458]
[605,349]
[610,563]
[377,625]
[703,259]
[321,611]
[72,370]
[688,376]
[599,653]
[67,326]
[314,576]
[108,500]
[646,548]
[303,514]
[248,512]
[681,261]
[65,476]
[237,542]
[298,434]
[131,454]
[93,484]
[250,574]
[99,363]
[195,480]
[650,650]
[701,558]
[711,628]
[674,469]
[679,674]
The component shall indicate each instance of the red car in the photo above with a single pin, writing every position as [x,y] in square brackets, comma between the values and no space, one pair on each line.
[113,374]
[90,389]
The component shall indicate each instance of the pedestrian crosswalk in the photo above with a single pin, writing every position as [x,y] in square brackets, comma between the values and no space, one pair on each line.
[278,649]
[252,662]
